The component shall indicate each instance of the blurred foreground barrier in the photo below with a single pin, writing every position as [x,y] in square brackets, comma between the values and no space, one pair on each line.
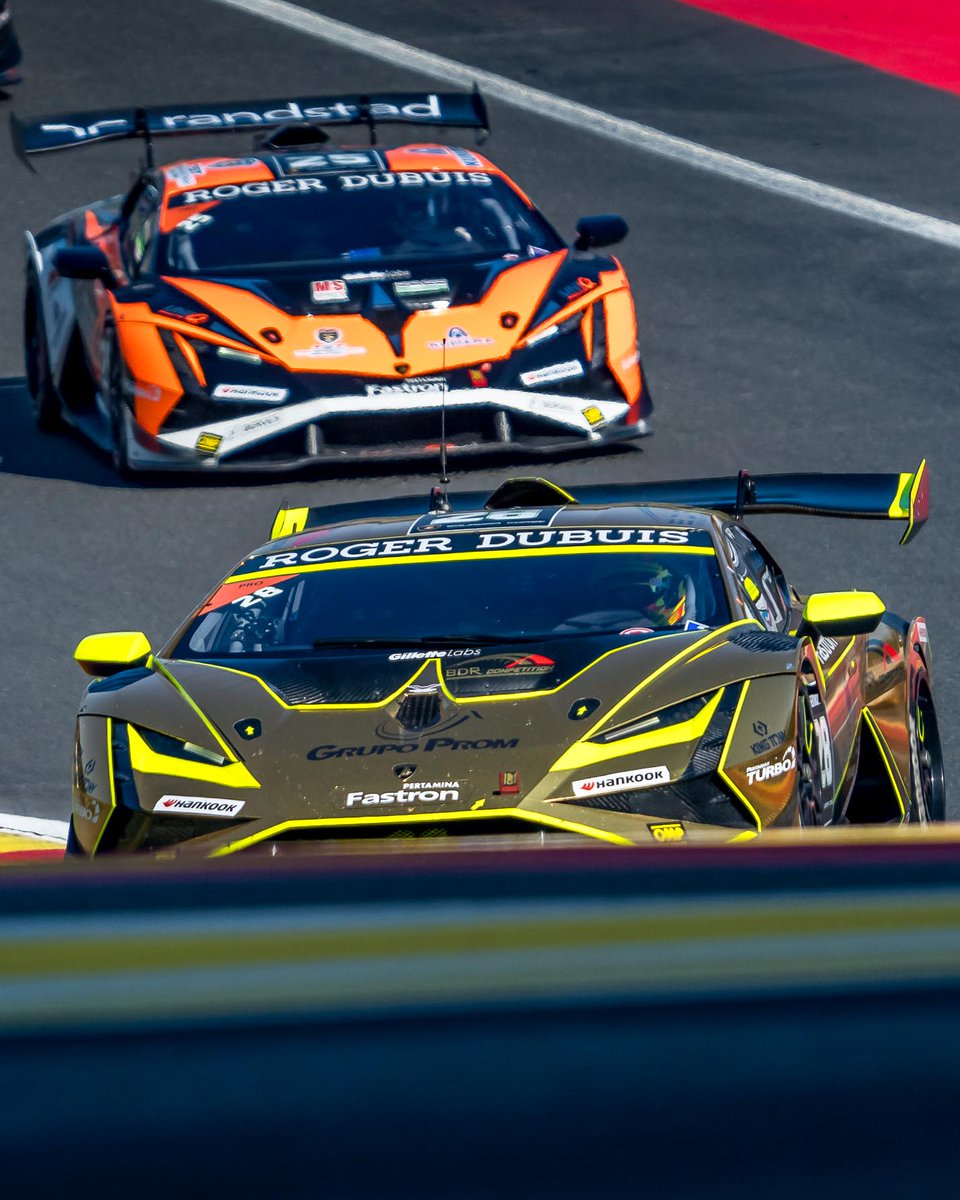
[779,1019]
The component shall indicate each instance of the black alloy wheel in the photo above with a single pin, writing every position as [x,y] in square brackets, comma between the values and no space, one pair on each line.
[45,402]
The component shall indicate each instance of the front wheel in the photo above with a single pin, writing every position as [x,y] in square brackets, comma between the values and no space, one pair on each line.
[928,793]
[117,408]
[46,403]
[815,771]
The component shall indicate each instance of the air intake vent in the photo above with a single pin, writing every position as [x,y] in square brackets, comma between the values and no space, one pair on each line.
[419,711]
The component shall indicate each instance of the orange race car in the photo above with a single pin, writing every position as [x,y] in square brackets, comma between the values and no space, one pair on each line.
[310,303]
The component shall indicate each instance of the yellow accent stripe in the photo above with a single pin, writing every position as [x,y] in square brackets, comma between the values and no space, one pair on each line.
[709,650]
[472,556]
[586,754]
[686,652]
[426,818]
[149,762]
[288,521]
[726,750]
[211,728]
[900,506]
[887,759]
[850,646]
[467,701]
[113,785]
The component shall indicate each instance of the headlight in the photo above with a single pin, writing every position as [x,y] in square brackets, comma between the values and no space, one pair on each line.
[675,714]
[163,743]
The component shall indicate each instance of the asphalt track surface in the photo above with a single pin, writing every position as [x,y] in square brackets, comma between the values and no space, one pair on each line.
[775,335]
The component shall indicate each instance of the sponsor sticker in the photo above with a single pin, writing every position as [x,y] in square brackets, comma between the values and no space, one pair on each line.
[375,276]
[209,443]
[477,542]
[825,648]
[552,374]
[667,831]
[430,746]
[422,287]
[773,770]
[623,781]
[409,387]
[243,392]
[199,806]
[429,792]
[329,344]
[329,291]
[593,415]
[147,391]
[457,339]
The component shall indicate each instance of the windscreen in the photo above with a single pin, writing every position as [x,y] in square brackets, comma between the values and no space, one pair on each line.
[364,219]
[447,599]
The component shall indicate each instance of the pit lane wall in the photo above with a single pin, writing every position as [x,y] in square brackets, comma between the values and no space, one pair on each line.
[771,1018]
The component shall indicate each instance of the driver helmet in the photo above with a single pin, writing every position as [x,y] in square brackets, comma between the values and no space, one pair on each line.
[650,587]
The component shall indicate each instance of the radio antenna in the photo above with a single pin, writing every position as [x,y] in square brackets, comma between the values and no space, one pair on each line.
[439,500]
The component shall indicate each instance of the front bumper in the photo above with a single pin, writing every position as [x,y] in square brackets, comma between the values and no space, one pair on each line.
[353,429]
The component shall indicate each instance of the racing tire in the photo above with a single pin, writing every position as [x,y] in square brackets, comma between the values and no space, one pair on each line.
[928,793]
[119,427]
[812,755]
[47,411]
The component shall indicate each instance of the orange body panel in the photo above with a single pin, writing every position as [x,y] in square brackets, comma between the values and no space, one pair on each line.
[364,349]
[156,386]
[622,357]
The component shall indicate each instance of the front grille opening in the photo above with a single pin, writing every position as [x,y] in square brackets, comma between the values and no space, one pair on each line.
[466,426]
[425,831]
[417,712]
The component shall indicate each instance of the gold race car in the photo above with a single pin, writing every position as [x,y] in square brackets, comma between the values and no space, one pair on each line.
[626,663]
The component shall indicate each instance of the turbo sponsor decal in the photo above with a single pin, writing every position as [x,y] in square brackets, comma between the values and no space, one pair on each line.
[623,781]
[457,339]
[478,543]
[431,745]
[552,374]
[209,443]
[242,392]
[593,416]
[763,772]
[199,806]
[329,291]
[440,792]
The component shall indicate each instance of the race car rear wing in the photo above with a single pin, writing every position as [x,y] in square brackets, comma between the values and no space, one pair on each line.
[896,497]
[63,131]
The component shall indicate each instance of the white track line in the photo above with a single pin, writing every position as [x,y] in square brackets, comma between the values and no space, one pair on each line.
[33,827]
[592,120]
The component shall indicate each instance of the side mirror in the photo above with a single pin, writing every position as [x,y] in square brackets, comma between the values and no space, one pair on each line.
[107,653]
[841,614]
[604,230]
[84,262]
